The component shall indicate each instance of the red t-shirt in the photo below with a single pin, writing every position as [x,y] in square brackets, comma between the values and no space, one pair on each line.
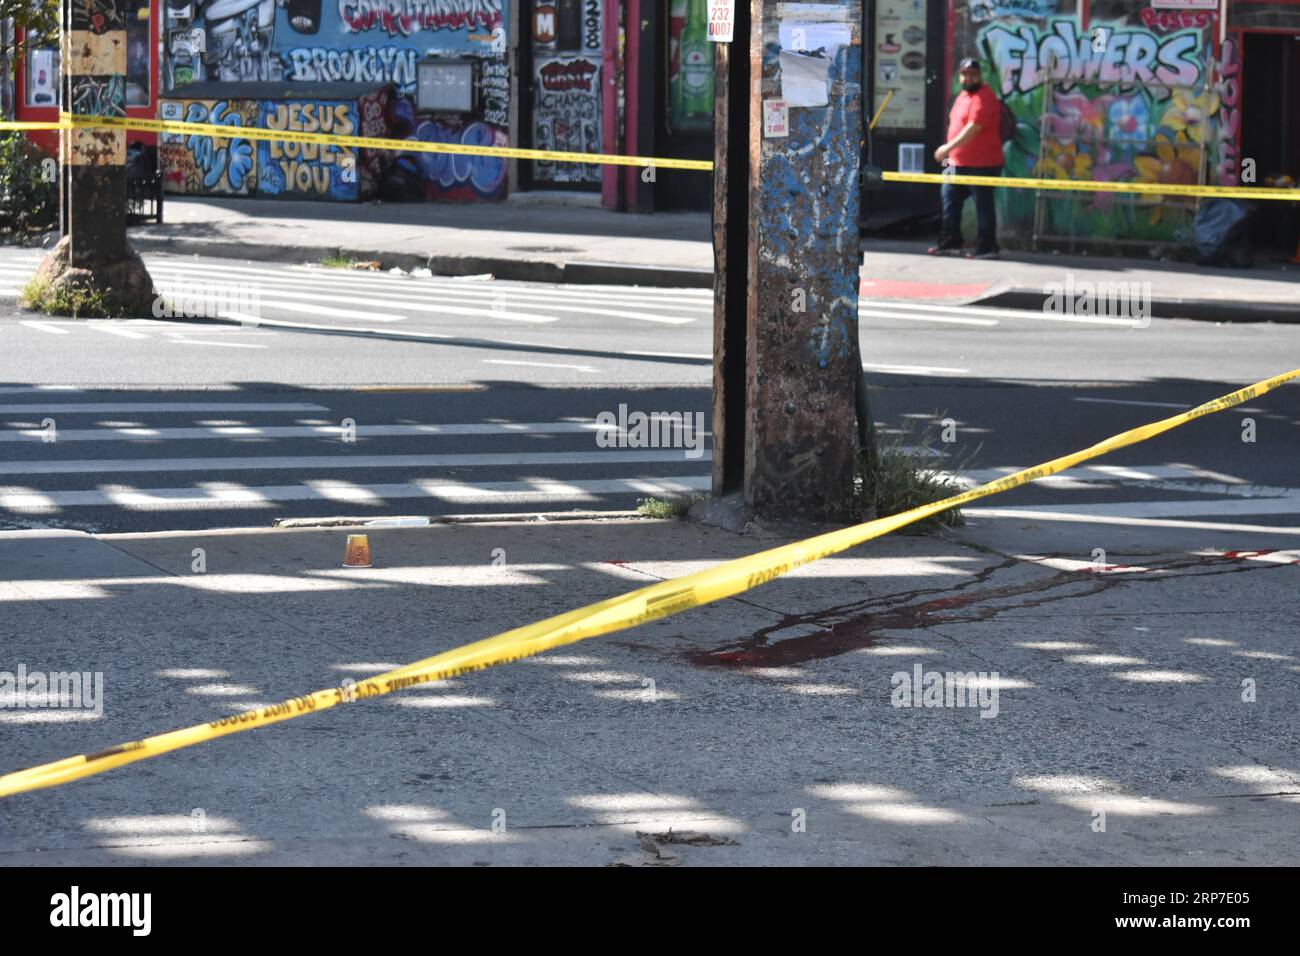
[985,147]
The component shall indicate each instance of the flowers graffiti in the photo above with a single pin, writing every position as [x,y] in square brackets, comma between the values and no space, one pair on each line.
[1141,107]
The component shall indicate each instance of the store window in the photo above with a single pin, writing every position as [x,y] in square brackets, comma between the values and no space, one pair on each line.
[690,67]
[43,63]
[42,76]
[138,59]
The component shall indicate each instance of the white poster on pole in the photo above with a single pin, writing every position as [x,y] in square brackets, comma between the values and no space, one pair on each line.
[722,20]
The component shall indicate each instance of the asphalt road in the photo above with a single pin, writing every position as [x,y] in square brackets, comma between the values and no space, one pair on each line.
[478,396]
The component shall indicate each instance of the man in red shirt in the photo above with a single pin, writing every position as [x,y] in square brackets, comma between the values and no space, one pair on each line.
[974,148]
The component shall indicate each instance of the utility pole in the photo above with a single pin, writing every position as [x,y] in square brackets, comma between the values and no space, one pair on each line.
[93,256]
[788,128]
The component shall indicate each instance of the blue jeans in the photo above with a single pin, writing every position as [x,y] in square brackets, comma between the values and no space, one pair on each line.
[954,198]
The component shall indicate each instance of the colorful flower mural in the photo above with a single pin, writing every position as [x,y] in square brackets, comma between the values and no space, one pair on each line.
[1120,101]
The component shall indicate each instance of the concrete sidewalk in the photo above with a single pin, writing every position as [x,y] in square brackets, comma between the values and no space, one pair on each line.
[764,721]
[566,243]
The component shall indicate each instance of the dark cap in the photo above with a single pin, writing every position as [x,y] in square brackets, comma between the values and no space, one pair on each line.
[970,63]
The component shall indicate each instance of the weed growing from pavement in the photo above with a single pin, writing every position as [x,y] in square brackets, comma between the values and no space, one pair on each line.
[39,296]
[903,476]
[667,507]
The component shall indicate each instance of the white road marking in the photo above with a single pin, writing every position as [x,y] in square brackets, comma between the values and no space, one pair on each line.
[973,310]
[539,491]
[364,316]
[37,389]
[117,330]
[1124,510]
[882,314]
[1182,407]
[406,305]
[1130,521]
[578,368]
[638,295]
[473,297]
[90,408]
[228,345]
[681,298]
[44,327]
[227,432]
[915,369]
[343,462]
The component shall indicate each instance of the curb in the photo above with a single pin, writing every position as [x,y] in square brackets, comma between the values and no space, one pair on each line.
[525,517]
[441,264]
[628,274]
[1200,310]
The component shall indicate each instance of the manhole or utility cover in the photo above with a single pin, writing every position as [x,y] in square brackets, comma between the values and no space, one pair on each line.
[542,249]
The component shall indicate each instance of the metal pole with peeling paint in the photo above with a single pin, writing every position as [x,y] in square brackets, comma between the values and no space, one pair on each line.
[802,256]
[93,256]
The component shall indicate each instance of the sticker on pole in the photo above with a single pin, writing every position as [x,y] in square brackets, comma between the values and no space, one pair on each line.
[776,119]
[722,20]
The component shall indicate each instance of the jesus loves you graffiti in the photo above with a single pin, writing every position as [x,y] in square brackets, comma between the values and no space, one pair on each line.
[1128,57]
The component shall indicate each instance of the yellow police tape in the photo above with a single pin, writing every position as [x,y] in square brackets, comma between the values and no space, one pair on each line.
[1091,186]
[614,614]
[70,121]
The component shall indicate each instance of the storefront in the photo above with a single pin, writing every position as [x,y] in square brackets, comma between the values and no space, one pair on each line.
[36,78]
[1151,91]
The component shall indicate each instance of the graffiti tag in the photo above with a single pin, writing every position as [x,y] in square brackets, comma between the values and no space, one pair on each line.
[1130,57]
[1229,90]
[230,163]
[409,16]
[560,76]
[356,65]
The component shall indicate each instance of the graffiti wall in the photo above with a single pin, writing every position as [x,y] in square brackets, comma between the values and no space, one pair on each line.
[443,176]
[1140,98]
[373,42]
[338,41]
[308,170]
[235,166]
[209,165]
[567,40]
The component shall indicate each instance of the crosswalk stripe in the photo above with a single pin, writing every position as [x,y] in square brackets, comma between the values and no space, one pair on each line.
[227,345]
[538,491]
[92,408]
[392,304]
[44,327]
[1226,507]
[1107,472]
[576,368]
[881,314]
[235,432]
[116,330]
[473,297]
[972,310]
[423,286]
[342,461]
[915,369]
[39,389]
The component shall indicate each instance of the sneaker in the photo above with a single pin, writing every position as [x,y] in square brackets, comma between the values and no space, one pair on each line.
[984,252]
[945,249]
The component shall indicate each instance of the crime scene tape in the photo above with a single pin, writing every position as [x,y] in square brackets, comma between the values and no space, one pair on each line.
[649,603]
[1090,186]
[71,121]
